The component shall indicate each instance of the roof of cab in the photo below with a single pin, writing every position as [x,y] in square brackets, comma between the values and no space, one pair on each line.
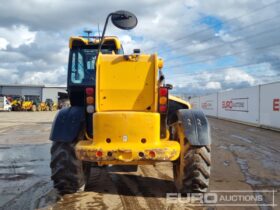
[85,41]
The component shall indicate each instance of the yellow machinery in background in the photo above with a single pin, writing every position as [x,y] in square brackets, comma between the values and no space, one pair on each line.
[16,102]
[43,107]
[48,105]
[30,103]
[28,106]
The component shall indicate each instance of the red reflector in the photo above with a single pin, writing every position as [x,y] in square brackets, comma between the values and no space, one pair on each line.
[89,91]
[162,108]
[152,154]
[99,154]
[163,91]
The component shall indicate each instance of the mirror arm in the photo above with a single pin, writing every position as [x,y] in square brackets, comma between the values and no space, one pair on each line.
[102,38]
[103,33]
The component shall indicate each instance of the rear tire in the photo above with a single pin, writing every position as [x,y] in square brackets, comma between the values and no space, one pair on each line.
[67,171]
[191,170]
[197,169]
[195,174]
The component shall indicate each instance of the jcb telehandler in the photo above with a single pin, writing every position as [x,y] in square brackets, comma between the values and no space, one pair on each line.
[122,114]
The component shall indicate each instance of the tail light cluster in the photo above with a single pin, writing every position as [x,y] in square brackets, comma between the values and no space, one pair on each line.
[163,100]
[90,100]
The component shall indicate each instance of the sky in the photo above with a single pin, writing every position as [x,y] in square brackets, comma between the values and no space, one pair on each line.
[207,46]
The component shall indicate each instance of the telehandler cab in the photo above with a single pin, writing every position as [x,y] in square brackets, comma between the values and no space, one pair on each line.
[122,114]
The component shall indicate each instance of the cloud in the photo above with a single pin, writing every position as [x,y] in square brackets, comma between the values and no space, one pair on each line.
[238,76]
[17,35]
[9,75]
[46,77]
[210,82]
[213,85]
[34,39]
[3,43]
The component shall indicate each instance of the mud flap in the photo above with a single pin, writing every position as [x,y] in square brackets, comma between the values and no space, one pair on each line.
[68,124]
[195,126]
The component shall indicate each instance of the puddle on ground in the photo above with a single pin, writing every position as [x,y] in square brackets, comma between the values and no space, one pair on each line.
[14,177]
[21,167]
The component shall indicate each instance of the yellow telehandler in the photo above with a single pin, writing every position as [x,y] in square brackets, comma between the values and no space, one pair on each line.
[30,103]
[122,114]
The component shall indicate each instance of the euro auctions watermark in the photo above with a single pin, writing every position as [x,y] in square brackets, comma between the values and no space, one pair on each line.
[224,198]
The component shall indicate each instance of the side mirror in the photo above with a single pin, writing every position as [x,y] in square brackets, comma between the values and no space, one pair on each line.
[124,20]
[121,19]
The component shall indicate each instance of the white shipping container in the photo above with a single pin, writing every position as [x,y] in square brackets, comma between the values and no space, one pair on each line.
[240,105]
[209,104]
[270,105]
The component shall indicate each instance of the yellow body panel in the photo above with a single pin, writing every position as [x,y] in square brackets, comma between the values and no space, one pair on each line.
[125,127]
[126,131]
[126,124]
[127,83]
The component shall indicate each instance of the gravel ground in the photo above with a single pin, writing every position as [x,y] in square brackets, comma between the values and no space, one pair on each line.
[244,158]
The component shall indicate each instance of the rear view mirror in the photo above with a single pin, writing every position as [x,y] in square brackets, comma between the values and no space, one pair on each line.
[124,20]
[121,19]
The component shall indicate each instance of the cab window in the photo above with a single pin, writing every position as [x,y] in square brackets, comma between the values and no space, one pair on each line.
[82,66]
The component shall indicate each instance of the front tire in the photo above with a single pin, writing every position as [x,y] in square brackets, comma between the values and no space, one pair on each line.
[67,171]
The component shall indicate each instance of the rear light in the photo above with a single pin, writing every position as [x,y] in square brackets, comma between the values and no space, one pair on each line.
[90,99]
[162,108]
[163,91]
[99,154]
[152,154]
[90,109]
[89,91]
[163,100]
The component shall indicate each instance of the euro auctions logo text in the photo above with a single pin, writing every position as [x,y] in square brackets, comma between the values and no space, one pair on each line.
[224,198]
[227,104]
[276,104]
[236,104]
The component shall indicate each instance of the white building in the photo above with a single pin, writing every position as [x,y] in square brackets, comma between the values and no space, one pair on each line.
[41,91]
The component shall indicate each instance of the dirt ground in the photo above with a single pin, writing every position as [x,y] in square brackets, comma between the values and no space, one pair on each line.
[243,157]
